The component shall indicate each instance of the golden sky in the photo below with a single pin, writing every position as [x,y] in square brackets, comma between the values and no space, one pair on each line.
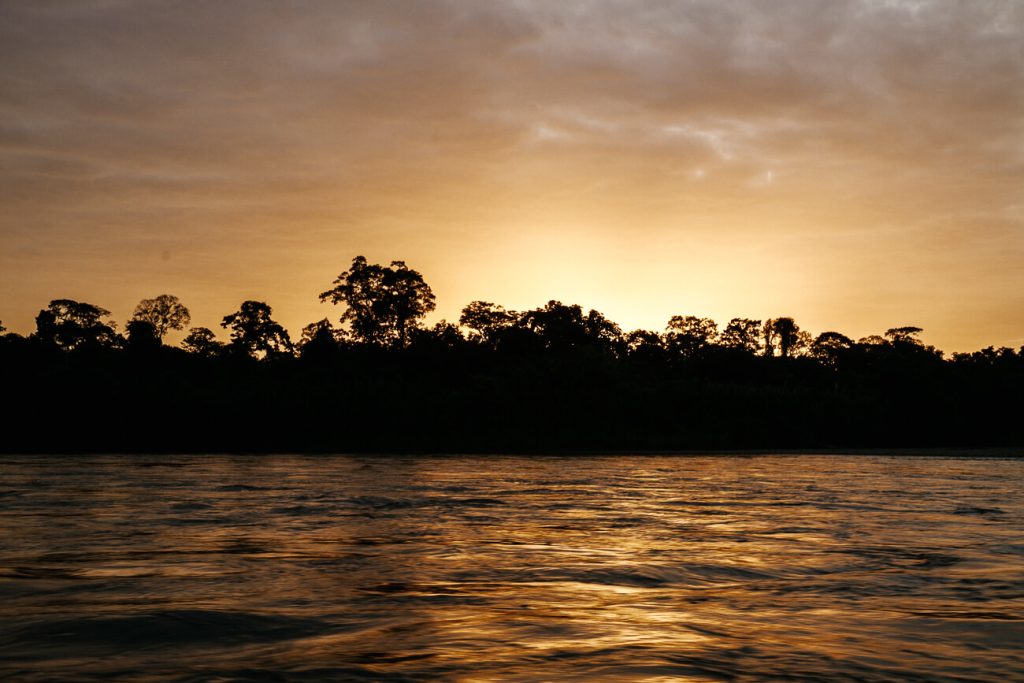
[857,164]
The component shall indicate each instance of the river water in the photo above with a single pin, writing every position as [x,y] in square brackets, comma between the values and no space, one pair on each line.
[308,568]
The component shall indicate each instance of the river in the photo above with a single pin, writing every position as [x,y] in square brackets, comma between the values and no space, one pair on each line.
[646,568]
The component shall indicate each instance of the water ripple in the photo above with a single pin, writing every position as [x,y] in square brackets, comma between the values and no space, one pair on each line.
[290,568]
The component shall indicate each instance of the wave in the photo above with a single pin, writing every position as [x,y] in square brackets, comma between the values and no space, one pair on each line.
[181,627]
[651,576]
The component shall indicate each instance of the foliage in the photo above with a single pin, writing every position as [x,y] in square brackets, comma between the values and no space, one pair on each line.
[443,335]
[255,333]
[382,304]
[201,341]
[829,346]
[564,328]
[72,325]
[320,331]
[743,334]
[485,321]
[318,339]
[141,336]
[783,335]
[872,340]
[552,378]
[164,313]
[904,335]
[689,335]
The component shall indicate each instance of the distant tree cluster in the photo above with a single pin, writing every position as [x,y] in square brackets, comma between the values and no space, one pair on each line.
[568,377]
[384,306]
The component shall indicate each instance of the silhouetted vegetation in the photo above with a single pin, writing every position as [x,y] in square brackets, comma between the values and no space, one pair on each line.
[164,313]
[554,378]
[382,304]
[70,325]
[255,334]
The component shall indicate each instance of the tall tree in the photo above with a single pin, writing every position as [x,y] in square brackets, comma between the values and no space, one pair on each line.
[255,333]
[783,335]
[164,313]
[383,304]
[73,325]
[903,340]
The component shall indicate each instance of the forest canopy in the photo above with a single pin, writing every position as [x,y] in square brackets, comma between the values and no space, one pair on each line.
[556,377]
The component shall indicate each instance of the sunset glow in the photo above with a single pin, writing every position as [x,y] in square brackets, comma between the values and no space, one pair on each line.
[855,165]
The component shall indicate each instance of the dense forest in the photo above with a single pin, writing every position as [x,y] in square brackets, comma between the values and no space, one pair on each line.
[551,379]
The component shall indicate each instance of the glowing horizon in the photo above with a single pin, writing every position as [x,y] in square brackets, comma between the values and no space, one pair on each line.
[856,165]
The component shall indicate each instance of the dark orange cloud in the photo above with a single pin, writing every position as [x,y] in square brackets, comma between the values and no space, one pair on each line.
[857,165]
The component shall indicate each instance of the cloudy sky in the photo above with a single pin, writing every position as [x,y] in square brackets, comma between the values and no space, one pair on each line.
[855,164]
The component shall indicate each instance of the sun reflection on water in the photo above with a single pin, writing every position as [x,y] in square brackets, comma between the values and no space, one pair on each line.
[504,568]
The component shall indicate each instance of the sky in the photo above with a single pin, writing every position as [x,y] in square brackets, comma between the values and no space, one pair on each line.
[855,164]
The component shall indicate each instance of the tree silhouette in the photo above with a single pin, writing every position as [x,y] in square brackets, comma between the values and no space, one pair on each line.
[989,356]
[164,313]
[382,304]
[202,342]
[318,339]
[561,327]
[604,332]
[782,334]
[72,325]
[555,378]
[644,345]
[141,336]
[904,335]
[743,334]
[485,320]
[827,346]
[904,341]
[872,340]
[689,334]
[443,335]
[255,333]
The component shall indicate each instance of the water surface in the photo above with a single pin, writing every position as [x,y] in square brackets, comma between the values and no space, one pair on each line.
[220,568]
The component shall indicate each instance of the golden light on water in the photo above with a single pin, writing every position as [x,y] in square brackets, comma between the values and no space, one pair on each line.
[512,568]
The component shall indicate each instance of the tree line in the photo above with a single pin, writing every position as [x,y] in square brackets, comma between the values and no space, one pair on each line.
[384,306]
[555,377]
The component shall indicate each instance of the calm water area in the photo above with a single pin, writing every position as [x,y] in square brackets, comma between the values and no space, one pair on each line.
[309,568]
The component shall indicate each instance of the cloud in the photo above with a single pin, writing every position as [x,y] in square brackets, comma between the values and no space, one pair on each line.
[436,130]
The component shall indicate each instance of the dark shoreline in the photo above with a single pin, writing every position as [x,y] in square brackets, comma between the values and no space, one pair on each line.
[468,398]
